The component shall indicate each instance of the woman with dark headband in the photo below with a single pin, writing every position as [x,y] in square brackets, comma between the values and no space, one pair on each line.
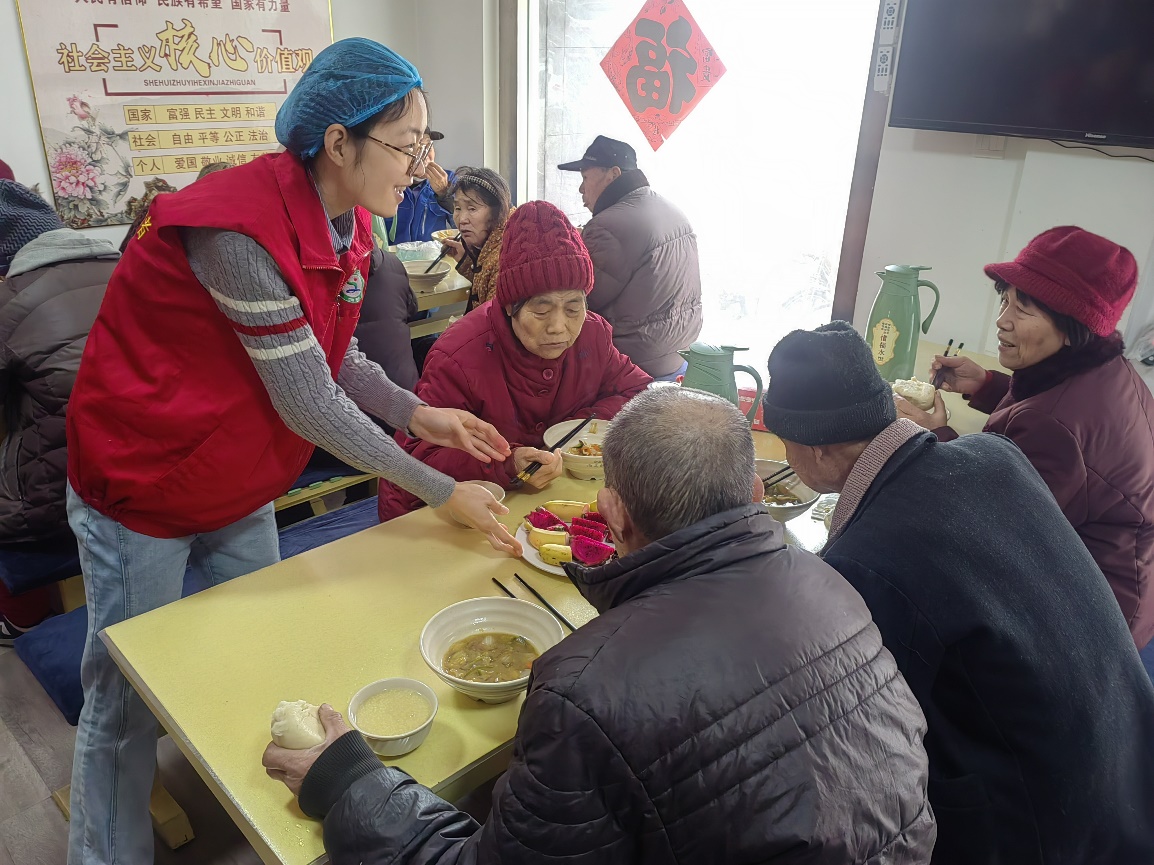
[481,206]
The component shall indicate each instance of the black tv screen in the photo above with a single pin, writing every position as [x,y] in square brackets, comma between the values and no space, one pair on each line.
[1076,70]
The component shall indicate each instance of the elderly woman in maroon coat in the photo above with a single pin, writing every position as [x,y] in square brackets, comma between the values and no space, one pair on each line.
[1074,404]
[531,357]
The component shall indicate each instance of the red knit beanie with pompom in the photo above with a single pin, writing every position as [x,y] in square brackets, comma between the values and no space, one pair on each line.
[541,251]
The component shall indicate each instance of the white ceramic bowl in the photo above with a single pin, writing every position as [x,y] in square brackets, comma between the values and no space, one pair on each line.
[394,746]
[422,282]
[582,468]
[781,513]
[445,234]
[495,489]
[479,615]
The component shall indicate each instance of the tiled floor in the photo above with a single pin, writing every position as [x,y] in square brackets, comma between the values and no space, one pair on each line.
[36,758]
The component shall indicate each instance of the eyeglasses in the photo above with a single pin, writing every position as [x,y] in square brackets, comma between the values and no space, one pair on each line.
[416,159]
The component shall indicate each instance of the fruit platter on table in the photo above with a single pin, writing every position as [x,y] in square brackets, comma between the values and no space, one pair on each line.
[561,532]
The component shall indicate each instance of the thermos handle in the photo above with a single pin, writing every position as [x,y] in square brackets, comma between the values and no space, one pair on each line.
[757,399]
[937,299]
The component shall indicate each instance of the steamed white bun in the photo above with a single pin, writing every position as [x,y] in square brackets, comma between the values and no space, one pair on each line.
[920,393]
[297,725]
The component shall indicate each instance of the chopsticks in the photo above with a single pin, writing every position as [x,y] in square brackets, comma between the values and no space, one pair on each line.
[937,379]
[444,252]
[531,469]
[537,595]
[777,477]
[545,603]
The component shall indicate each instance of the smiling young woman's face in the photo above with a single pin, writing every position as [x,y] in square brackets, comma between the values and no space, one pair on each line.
[548,324]
[1026,334]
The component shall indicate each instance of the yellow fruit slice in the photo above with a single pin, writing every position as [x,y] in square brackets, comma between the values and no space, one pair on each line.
[555,554]
[566,510]
[539,537]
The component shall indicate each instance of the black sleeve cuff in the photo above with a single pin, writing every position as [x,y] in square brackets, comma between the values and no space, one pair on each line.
[339,766]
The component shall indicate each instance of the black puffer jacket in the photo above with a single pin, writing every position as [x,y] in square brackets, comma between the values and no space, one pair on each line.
[732,703]
[383,328]
[47,306]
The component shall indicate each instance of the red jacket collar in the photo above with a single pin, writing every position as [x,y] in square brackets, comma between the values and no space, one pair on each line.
[309,219]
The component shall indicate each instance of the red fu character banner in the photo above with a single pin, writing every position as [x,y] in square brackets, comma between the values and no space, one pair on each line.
[662,66]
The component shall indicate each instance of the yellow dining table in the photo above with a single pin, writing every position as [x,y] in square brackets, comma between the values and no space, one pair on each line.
[319,626]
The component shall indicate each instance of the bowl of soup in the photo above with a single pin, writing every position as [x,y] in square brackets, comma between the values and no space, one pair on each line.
[788,498]
[394,715]
[420,281]
[485,647]
[582,455]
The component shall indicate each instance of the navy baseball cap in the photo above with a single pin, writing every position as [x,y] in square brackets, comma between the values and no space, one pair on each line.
[434,135]
[604,153]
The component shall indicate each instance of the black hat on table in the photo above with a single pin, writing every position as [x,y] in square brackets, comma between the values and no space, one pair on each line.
[604,153]
[824,388]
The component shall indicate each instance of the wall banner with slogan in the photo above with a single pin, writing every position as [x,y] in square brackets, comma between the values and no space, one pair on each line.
[136,96]
[661,67]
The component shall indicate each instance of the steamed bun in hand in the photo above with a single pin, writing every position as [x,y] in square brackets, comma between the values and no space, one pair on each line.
[297,725]
[920,393]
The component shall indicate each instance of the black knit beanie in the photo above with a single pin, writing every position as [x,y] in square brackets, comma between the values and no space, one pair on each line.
[24,216]
[824,388]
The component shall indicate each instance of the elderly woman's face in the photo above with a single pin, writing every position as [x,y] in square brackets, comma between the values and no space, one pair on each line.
[473,216]
[549,323]
[1026,335]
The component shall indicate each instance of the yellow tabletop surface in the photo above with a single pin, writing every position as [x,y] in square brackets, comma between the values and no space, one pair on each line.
[321,625]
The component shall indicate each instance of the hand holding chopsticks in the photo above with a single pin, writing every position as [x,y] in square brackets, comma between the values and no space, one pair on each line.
[953,373]
[444,251]
[936,381]
[532,468]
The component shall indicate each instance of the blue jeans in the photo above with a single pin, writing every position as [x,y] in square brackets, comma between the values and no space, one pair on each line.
[126,574]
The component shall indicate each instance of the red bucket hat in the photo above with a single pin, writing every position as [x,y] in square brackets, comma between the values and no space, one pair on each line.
[541,251]
[1076,273]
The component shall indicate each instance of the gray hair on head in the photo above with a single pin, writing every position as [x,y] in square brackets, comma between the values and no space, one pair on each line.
[676,456]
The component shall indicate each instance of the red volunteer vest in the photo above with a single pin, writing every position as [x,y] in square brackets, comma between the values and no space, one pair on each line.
[170,430]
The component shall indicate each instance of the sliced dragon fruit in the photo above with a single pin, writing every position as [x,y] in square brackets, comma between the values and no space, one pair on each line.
[543,519]
[600,528]
[577,531]
[595,517]
[590,552]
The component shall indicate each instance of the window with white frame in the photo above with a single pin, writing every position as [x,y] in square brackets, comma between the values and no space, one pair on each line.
[762,166]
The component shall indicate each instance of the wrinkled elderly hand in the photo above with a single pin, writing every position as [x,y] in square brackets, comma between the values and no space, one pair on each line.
[457,428]
[475,506]
[289,766]
[455,249]
[958,374]
[437,176]
[931,420]
[551,466]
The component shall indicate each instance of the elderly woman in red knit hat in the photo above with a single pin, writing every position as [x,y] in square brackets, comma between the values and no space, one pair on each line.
[531,357]
[1074,404]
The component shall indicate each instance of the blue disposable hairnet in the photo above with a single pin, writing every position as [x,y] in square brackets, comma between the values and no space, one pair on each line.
[347,83]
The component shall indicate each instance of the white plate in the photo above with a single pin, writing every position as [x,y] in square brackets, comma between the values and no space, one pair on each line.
[533,557]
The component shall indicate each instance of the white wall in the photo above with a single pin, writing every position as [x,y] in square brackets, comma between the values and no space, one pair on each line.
[443,38]
[936,203]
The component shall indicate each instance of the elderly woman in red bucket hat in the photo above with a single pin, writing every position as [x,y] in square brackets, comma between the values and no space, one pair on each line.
[1073,404]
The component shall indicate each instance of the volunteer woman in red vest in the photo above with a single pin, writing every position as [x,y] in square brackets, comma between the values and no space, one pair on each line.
[222,353]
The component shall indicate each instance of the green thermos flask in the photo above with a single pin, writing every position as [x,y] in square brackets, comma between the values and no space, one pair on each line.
[892,332]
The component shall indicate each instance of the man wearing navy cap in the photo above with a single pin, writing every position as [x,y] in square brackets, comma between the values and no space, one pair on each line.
[647,281]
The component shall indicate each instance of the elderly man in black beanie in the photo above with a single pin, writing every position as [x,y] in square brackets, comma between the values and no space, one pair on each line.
[1041,717]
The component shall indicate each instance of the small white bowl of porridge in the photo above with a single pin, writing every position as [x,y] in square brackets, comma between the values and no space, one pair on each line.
[394,715]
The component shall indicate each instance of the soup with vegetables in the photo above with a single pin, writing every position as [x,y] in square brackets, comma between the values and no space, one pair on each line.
[490,658]
[779,495]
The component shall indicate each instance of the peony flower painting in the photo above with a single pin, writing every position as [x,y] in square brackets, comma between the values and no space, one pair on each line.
[90,174]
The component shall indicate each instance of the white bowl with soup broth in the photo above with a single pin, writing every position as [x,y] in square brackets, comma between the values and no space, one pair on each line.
[789,498]
[582,455]
[484,647]
[394,715]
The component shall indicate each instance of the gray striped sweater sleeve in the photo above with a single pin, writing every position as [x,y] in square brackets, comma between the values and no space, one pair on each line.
[248,288]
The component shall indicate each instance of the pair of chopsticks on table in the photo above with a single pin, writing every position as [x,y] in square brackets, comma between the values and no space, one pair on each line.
[531,469]
[937,379]
[444,252]
[536,595]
